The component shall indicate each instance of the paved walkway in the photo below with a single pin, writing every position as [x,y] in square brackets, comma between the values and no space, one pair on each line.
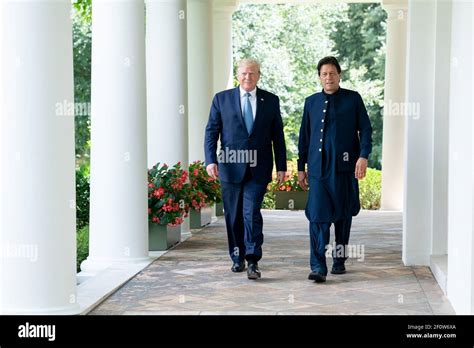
[195,277]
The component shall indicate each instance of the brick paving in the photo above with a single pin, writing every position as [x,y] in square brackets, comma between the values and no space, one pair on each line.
[194,278]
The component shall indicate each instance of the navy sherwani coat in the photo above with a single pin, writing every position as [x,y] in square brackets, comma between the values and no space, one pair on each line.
[335,132]
[353,131]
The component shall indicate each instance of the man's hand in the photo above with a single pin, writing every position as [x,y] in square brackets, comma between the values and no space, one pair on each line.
[212,170]
[361,168]
[281,177]
[303,180]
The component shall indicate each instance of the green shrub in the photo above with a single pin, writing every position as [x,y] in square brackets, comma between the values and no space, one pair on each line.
[82,196]
[82,240]
[370,189]
[269,200]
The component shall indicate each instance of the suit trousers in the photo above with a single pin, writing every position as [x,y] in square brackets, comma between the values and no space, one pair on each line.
[319,239]
[244,222]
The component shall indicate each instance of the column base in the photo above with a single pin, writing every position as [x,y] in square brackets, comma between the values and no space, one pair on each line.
[72,309]
[91,266]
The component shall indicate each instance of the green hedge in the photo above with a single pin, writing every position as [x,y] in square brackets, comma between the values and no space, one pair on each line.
[370,189]
[82,240]
[269,200]
[82,197]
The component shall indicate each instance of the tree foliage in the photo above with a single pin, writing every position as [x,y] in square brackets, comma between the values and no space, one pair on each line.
[82,49]
[84,9]
[289,40]
[360,43]
[277,35]
[82,85]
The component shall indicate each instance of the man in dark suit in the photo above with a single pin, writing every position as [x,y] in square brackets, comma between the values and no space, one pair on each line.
[248,122]
[335,141]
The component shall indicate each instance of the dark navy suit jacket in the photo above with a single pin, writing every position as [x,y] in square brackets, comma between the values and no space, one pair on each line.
[353,131]
[226,122]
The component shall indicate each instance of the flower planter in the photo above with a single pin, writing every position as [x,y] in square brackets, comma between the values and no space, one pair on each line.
[220,209]
[200,218]
[291,200]
[161,237]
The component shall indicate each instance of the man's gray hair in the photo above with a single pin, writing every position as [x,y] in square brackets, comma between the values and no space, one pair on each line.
[249,62]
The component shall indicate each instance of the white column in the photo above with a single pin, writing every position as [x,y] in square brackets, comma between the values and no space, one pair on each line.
[37,216]
[461,161]
[199,73]
[222,44]
[418,171]
[167,93]
[394,94]
[441,130]
[118,211]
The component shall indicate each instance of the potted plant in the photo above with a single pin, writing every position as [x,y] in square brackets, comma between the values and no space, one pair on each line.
[204,192]
[289,195]
[167,205]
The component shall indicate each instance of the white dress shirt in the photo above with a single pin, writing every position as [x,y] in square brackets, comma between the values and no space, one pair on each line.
[253,100]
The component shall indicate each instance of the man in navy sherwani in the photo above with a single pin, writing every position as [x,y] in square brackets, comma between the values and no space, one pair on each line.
[335,141]
[248,122]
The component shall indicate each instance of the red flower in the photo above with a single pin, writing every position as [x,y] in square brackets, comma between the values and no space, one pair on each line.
[173,191]
[168,196]
[159,192]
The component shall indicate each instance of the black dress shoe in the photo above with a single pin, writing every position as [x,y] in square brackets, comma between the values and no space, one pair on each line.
[253,271]
[317,277]
[338,269]
[238,266]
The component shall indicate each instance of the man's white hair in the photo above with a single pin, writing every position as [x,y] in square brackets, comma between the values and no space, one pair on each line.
[249,62]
